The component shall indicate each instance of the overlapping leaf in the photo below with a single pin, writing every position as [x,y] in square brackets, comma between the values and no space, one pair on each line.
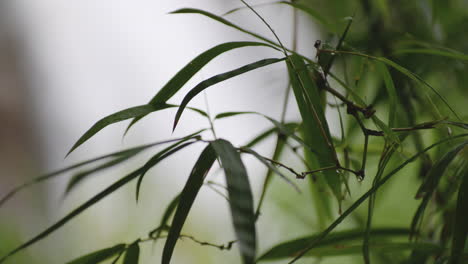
[220,78]
[99,256]
[187,197]
[240,197]
[132,254]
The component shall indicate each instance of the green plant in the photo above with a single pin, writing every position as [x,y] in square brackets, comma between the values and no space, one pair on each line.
[397,76]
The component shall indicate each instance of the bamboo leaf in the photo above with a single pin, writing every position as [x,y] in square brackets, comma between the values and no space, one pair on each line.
[117,117]
[176,146]
[460,228]
[289,248]
[220,78]
[271,167]
[115,186]
[189,70]
[436,52]
[223,21]
[315,241]
[259,138]
[132,254]
[437,171]
[240,197]
[156,233]
[54,174]
[99,256]
[391,91]
[316,131]
[187,197]
[388,133]
[311,12]
[78,178]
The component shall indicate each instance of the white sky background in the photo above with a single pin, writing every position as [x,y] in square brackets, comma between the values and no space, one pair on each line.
[88,59]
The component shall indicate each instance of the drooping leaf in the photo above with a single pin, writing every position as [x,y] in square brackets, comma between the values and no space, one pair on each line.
[51,175]
[220,78]
[99,256]
[437,171]
[132,254]
[311,12]
[315,241]
[391,91]
[289,248]
[223,21]
[187,197]
[156,233]
[189,70]
[80,177]
[178,145]
[240,197]
[115,186]
[316,131]
[436,52]
[388,133]
[460,228]
[271,167]
[117,117]
[259,138]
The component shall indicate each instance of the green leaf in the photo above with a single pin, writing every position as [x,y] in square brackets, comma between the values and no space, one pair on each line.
[78,178]
[132,254]
[220,78]
[388,133]
[460,228]
[240,197]
[194,66]
[417,79]
[289,248]
[115,186]
[315,241]
[392,95]
[316,131]
[54,174]
[271,167]
[156,233]
[447,54]
[312,13]
[187,197]
[99,256]
[223,21]
[117,117]
[437,171]
[259,138]
[176,146]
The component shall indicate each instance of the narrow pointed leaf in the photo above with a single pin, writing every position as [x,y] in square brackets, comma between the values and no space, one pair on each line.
[156,233]
[240,197]
[132,254]
[115,186]
[311,12]
[259,138]
[391,91]
[460,227]
[220,78]
[117,117]
[289,248]
[316,131]
[388,133]
[447,54]
[178,145]
[315,241]
[99,256]
[189,70]
[54,174]
[437,171]
[271,167]
[223,21]
[187,197]
[80,177]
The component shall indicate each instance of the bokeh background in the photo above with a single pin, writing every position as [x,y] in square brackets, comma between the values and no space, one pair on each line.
[66,64]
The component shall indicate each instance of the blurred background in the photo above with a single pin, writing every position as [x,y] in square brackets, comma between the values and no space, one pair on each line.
[66,64]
